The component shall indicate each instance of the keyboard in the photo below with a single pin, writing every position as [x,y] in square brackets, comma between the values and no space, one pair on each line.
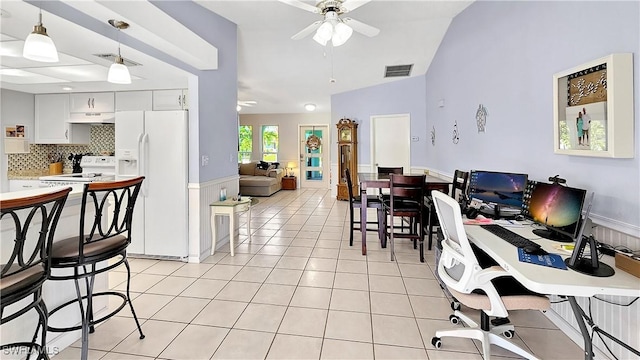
[509,236]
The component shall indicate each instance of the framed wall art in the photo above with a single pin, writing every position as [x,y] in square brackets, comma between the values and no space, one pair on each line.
[593,108]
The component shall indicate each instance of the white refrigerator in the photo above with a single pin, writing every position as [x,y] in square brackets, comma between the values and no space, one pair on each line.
[155,144]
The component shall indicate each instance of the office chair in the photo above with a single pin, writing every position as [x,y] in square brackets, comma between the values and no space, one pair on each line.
[33,221]
[99,247]
[356,203]
[406,193]
[475,287]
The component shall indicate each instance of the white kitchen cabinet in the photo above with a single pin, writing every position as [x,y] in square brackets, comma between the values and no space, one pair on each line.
[51,126]
[102,102]
[17,185]
[134,100]
[170,99]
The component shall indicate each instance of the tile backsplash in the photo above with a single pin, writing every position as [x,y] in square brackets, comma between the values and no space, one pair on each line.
[102,140]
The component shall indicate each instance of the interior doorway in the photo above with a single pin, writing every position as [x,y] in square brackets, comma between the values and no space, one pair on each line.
[391,141]
[314,160]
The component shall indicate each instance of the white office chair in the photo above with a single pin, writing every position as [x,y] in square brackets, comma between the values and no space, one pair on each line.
[472,286]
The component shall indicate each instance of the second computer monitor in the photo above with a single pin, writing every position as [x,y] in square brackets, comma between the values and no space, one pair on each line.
[497,187]
[558,208]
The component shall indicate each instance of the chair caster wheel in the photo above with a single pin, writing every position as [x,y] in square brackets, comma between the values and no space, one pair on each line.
[455,305]
[141,337]
[435,341]
[508,334]
[454,319]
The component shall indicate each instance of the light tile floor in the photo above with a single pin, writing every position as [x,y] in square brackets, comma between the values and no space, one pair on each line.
[298,291]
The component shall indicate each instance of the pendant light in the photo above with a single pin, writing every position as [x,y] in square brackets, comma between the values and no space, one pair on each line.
[118,72]
[38,46]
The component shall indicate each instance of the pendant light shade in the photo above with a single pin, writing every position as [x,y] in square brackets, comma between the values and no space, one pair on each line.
[118,72]
[38,46]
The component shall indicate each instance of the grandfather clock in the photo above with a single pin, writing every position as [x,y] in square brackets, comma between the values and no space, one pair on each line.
[347,156]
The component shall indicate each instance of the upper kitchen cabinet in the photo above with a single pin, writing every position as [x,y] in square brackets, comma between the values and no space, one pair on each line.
[102,102]
[51,126]
[134,100]
[170,100]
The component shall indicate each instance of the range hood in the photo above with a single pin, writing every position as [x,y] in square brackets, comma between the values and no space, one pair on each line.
[92,118]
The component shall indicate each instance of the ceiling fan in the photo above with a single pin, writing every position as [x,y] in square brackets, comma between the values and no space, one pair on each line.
[332,27]
[245,103]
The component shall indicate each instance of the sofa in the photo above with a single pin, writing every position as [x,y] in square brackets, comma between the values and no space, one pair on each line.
[259,178]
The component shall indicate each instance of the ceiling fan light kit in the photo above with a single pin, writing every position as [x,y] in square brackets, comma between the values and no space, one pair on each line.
[332,27]
[38,46]
[118,71]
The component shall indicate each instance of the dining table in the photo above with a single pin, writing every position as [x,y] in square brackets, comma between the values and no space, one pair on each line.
[382,181]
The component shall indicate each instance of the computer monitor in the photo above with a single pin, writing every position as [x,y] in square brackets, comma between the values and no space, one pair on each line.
[558,208]
[497,188]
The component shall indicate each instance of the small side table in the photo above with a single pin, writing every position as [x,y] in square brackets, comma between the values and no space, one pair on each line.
[230,208]
[289,183]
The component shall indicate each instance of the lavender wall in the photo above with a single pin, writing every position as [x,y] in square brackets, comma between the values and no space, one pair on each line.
[398,97]
[215,132]
[503,55]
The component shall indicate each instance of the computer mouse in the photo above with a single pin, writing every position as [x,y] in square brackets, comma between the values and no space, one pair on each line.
[534,250]
[519,218]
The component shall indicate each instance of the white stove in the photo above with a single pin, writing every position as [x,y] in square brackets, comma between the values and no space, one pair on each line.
[94,168]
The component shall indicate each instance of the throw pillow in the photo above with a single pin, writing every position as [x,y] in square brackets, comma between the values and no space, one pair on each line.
[276,164]
[261,172]
[263,165]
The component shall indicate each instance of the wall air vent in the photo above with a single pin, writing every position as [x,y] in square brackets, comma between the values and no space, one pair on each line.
[397,70]
[112,58]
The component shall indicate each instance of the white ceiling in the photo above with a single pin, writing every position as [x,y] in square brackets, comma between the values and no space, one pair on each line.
[279,73]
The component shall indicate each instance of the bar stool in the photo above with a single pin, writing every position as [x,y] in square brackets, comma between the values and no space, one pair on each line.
[99,249]
[33,220]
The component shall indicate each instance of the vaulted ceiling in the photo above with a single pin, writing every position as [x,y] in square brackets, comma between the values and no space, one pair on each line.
[280,74]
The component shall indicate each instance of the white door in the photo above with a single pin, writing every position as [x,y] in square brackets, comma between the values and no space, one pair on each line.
[314,162]
[391,141]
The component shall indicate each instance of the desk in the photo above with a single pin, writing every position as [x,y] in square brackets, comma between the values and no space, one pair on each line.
[547,280]
[230,208]
[381,181]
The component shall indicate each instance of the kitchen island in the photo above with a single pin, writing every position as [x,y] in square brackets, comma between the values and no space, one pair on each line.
[54,293]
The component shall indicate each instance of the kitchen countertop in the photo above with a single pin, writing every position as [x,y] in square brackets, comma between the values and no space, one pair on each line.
[31,174]
[39,191]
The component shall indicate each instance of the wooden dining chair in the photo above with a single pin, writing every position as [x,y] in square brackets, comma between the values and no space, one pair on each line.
[386,171]
[355,202]
[406,194]
[458,188]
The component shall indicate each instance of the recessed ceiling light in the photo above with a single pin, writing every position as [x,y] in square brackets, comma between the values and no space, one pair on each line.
[310,107]
[67,88]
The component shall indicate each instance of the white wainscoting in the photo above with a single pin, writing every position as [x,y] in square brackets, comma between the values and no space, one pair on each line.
[619,321]
[200,196]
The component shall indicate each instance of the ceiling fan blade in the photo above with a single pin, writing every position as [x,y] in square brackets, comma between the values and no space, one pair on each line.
[361,27]
[350,5]
[306,31]
[301,5]
[247,103]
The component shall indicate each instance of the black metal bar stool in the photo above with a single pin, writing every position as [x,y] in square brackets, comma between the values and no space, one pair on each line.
[33,220]
[100,247]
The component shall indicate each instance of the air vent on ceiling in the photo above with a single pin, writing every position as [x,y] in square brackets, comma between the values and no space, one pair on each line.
[397,70]
[112,58]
